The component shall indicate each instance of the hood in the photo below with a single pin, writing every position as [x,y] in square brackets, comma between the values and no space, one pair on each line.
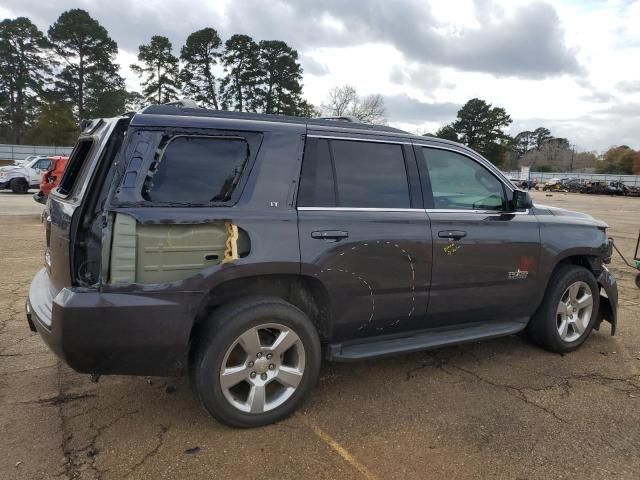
[568,214]
[12,168]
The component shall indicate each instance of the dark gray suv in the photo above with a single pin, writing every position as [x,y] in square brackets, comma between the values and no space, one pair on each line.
[242,248]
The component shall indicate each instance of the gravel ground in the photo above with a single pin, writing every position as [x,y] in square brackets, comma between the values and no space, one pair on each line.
[501,409]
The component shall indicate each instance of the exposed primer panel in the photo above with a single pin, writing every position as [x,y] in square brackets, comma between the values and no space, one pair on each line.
[123,249]
[172,252]
[161,253]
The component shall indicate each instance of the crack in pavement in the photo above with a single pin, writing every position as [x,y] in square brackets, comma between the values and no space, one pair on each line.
[519,394]
[151,453]
[87,453]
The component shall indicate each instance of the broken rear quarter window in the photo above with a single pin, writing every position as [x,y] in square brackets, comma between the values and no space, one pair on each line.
[197,170]
[74,165]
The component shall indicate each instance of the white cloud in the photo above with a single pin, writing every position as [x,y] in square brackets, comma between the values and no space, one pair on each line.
[565,64]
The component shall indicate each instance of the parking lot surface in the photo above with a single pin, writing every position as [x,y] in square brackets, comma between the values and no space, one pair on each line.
[498,409]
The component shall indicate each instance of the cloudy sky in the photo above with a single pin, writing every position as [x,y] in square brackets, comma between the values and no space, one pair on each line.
[570,65]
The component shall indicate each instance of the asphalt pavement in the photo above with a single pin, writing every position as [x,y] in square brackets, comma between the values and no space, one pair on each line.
[498,409]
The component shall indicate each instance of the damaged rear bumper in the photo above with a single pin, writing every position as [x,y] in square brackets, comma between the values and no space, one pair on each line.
[609,301]
[40,197]
[112,333]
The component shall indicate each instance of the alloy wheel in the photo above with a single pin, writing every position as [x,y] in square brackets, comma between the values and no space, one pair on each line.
[574,311]
[262,368]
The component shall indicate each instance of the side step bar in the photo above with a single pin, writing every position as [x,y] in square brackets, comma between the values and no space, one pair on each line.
[386,345]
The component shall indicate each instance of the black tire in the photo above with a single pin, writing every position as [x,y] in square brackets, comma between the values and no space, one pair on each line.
[220,333]
[19,186]
[638,280]
[543,327]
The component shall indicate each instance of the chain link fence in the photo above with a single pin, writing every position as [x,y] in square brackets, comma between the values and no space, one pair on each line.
[10,153]
[541,177]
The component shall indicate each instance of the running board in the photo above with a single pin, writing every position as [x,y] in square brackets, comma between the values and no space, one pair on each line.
[385,345]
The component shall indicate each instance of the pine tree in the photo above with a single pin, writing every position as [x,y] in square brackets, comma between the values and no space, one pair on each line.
[200,55]
[88,72]
[242,67]
[23,74]
[280,88]
[481,127]
[159,70]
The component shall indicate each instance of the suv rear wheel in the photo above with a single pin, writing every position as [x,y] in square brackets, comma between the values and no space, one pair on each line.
[568,311]
[19,185]
[255,362]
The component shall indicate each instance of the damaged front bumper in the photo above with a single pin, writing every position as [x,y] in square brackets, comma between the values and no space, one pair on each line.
[608,310]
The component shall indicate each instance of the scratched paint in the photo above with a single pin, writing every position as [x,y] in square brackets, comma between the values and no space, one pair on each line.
[367,284]
[451,248]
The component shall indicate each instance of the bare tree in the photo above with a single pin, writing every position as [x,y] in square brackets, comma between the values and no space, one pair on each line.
[345,101]
[371,109]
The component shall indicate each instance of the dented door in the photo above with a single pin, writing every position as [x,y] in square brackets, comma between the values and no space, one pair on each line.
[364,235]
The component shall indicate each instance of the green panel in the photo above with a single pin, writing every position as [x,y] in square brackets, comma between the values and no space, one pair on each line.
[123,249]
[172,252]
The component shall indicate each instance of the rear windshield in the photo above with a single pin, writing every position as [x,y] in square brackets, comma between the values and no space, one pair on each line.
[74,166]
[196,170]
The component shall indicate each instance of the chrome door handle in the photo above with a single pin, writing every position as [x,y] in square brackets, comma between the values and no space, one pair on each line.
[330,235]
[452,234]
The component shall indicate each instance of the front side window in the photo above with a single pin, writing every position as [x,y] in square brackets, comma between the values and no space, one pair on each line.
[43,164]
[196,170]
[460,183]
[358,174]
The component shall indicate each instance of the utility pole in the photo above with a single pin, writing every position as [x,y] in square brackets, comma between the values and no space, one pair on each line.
[573,154]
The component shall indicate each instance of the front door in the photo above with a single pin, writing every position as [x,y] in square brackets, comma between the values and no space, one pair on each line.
[364,234]
[485,257]
[37,169]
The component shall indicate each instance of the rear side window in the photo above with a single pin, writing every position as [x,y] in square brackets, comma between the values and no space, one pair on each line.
[74,166]
[196,170]
[348,173]
[317,187]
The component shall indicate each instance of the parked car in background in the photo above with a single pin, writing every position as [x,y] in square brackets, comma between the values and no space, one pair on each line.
[598,187]
[574,185]
[20,178]
[525,184]
[553,185]
[26,160]
[617,188]
[51,178]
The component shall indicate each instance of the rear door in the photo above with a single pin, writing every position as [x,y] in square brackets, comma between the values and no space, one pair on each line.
[485,257]
[68,197]
[363,232]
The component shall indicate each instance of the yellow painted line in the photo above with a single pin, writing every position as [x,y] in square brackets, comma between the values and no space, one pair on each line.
[339,449]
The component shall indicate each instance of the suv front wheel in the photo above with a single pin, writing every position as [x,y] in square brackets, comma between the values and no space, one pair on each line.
[255,362]
[568,311]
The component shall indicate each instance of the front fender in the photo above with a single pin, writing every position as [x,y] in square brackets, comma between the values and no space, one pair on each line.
[609,302]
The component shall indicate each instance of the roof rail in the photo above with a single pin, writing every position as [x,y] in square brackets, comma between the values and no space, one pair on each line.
[341,118]
[183,103]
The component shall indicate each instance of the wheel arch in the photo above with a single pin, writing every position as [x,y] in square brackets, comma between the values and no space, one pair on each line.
[587,260]
[604,280]
[590,261]
[307,293]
